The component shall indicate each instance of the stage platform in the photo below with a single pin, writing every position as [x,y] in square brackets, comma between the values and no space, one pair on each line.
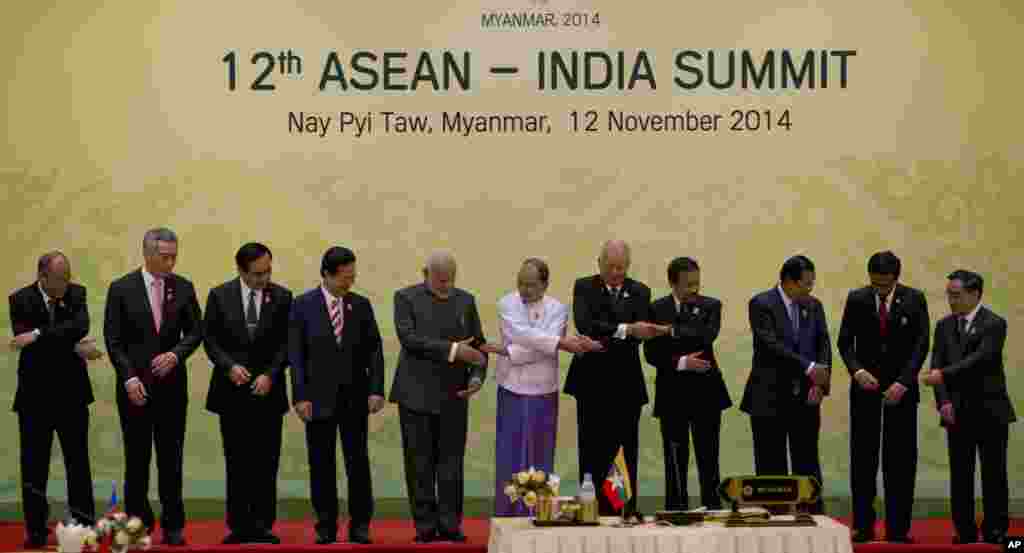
[396,535]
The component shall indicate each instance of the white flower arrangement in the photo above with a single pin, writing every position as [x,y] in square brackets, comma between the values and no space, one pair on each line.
[117,532]
[530,485]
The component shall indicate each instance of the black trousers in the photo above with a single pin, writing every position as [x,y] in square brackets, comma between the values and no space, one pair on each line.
[989,442]
[36,429]
[434,448]
[252,454]
[675,436]
[602,430]
[350,421]
[872,424]
[796,426]
[160,424]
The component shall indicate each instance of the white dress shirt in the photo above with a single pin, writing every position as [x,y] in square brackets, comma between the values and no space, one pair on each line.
[970,318]
[259,300]
[531,334]
[681,366]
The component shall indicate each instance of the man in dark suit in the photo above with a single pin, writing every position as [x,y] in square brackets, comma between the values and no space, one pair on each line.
[691,392]
[789,375]
[152,325]
[883,341]
[970,393]
[609,385]
[337,360]
[246,340]
[439,369]
[49,318]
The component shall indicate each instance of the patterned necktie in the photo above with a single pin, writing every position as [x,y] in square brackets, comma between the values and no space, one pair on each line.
[795,318]
[251,318]
[883,317]
[156,301]
[51,309]
[337,319]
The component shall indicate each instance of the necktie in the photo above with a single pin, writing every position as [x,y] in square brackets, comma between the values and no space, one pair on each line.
[251,318]
[156,301]
[962,329]
[795,317]
[616,294]
[51,306]
[337,319]
[883,318]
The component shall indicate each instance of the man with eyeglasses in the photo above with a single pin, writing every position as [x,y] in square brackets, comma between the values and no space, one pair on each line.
[970,392]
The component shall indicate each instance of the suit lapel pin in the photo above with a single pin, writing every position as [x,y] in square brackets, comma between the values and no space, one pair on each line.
[696,310]
[971,331]
[803,313]
[903,321]
[266,296]
[625,294]
[348,306]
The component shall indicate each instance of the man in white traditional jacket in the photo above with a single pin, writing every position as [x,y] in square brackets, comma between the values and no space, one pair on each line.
[533,329]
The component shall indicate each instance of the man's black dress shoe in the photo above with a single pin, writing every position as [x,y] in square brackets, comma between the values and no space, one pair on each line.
[425,537]
[962,540]
[863,535]
[324,538]
[359,535]
[173,537]
[899,539]
[264,536]
[233,539]
[456,536]
[996,537]
[36,540]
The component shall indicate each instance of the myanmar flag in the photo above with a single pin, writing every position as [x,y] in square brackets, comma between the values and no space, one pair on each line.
[616,486]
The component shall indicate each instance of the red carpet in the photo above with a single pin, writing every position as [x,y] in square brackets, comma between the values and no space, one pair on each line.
[395,536]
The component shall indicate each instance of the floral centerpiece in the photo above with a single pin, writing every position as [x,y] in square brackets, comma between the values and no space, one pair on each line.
[531,486]
[117,533]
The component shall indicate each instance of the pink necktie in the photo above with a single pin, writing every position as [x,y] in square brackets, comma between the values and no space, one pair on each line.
[156,301]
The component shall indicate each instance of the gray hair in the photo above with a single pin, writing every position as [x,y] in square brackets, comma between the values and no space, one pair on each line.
[153,236]
[614,245]
[47,258]
[440,262]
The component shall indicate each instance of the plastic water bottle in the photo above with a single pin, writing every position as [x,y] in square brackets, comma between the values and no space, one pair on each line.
[588,499]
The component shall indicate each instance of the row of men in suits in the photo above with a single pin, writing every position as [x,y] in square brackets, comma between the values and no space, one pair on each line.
[253,329]
[883,340]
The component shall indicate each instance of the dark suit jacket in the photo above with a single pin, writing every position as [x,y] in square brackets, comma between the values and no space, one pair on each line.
[227,343]
[973,375]
[132,340]
[324,370]
[424,379]
[695,328]
[616,372]
[50,373]
[896,358]
[776,366]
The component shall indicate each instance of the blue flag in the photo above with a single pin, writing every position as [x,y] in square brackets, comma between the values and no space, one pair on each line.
[113,496]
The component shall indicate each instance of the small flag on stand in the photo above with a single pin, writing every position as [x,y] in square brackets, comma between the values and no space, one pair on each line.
[113,497]
[616,486]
